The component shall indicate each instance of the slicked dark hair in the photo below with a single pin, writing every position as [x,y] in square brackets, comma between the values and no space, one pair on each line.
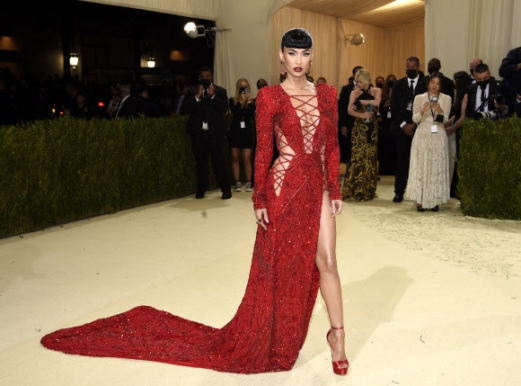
[296,38]
[481,68]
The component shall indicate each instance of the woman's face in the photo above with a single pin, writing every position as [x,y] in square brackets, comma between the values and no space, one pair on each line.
[244,84]
[361,84]
[434,86]
[296,61]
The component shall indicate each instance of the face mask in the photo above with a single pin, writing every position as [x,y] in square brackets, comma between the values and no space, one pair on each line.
[411,73]
[390,84]
[205,82]
[380,85]
[483,83]
[431,69]
[472,71]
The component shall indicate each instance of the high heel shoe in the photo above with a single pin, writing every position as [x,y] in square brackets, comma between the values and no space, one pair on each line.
[339,367]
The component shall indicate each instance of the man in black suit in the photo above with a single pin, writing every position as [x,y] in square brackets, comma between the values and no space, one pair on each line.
[402,126]
[345,121]
[127,106]
[480,95]
[206,103]
[447,84]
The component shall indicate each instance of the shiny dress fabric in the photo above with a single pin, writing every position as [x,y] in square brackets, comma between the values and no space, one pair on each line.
[271,323]
[362,175]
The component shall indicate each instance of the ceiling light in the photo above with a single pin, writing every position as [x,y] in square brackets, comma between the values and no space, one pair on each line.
[355,39]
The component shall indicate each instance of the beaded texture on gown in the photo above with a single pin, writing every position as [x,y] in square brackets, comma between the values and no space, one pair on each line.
[271,323]
[428,183]
[362,174]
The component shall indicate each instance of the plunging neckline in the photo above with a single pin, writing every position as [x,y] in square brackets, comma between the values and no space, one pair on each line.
[316,122]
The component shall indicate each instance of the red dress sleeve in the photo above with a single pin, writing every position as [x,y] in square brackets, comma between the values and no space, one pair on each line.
[332,156]
[264,119]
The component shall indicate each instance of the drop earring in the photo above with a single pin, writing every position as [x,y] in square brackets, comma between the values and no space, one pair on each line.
[282,68]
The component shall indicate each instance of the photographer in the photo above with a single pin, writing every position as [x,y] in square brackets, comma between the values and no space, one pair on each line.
[206,103]
[480,96]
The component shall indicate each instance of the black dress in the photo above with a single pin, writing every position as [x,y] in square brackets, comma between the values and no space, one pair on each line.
[241,127]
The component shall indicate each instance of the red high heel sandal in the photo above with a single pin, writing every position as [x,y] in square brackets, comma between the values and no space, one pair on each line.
[339,367]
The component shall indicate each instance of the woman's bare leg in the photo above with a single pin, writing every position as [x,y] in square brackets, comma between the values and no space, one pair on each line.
[329,280]
[246,161]
[235,154]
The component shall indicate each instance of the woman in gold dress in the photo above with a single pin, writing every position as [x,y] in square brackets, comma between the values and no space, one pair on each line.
[361,177]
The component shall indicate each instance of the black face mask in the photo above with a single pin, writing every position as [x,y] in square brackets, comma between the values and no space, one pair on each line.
[380,85]
[411,74]
[390,84]
[483,83]
[472,71]
[205,82]
[432,69]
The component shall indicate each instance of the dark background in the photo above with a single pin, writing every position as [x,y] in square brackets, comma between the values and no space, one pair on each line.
[111,42]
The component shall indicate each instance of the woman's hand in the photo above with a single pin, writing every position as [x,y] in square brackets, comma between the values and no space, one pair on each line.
[436,106]
[426,106]
[336,207]
[366,115]
[261,217]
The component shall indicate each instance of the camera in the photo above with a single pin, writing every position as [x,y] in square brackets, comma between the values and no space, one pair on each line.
[245,90]
[434,100]
[486,114]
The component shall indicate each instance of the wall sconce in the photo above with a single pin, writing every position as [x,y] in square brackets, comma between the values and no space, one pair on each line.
[355,39]
[151,62]
[194,31]
[73,60]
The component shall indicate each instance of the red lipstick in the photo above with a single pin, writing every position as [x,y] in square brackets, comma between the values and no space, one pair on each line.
[298,69]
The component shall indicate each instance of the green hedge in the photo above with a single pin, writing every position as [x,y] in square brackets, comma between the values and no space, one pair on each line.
[489,168]
[63,170]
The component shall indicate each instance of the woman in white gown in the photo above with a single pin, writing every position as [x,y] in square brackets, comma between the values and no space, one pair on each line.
[428,184]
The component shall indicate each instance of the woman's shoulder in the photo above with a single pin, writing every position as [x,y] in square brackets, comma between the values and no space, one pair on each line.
[268,95]
[269,90]
[326,91]
[326,88]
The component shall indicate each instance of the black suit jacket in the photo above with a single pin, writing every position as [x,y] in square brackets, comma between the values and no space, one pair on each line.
[128,108]
[493,90]
[344,119]
[209,110]
[399,101]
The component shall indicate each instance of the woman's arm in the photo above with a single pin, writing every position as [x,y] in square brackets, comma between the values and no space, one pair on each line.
[351,109]
[264,149]
[420,107]
[377,95]
[456,125]
[332,153]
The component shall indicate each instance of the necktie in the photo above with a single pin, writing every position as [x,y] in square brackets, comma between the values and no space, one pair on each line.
[411,92]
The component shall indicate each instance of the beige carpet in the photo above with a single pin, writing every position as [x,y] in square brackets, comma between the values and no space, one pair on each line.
[430,298]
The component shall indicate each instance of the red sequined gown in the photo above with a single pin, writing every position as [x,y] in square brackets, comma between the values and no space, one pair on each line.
[271,323]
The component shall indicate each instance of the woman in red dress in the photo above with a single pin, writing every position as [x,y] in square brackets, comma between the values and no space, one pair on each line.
[296,200]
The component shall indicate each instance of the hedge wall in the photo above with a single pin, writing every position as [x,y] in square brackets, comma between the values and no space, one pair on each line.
[489,168]
[54,172]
